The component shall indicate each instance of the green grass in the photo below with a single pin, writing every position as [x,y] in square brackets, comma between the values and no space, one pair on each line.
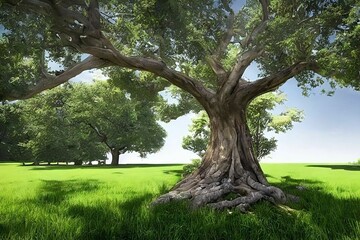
[60,202]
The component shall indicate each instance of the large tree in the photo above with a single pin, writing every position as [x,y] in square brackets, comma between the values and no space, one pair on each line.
[178,40]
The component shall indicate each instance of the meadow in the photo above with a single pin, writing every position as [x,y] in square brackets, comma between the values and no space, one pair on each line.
[101,202]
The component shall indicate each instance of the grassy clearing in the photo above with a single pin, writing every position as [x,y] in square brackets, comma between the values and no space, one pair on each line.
[60,202]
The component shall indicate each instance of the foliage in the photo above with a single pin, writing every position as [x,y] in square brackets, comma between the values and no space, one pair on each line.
[189,168]
[325,33]
[260,121]
[74,202]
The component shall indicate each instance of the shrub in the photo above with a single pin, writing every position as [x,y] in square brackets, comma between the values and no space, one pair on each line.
[189,168]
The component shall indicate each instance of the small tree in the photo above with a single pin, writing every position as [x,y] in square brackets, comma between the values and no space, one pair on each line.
[259,119]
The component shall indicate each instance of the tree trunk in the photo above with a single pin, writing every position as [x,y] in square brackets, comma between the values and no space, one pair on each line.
[115,153]
[229,166]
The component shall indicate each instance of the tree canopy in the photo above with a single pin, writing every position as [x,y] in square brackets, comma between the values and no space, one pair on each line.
[311,37]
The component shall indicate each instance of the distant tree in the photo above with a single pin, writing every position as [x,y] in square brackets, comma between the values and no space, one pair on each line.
[259,119]
[53,135]
[121,123]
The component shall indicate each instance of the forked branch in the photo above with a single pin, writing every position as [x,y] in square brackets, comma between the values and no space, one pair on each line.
[249,55]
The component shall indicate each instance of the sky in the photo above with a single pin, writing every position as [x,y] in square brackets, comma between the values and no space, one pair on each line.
[330,131]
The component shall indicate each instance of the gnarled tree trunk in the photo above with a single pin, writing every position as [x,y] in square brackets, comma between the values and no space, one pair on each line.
[229,166]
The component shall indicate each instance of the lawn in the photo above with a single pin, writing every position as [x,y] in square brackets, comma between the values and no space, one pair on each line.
[66,202]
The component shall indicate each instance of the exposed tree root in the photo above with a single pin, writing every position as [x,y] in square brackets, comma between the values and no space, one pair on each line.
[244,192]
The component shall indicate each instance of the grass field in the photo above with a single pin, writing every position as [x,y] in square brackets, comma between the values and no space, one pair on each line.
[59,202]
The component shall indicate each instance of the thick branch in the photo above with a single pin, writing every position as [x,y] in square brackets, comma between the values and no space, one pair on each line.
[159,68]
[50,81]
[94,18]
[217,68]
[273,81]
[265,9]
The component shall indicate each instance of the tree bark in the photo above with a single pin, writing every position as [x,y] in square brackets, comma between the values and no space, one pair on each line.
[115,154]
[229,166]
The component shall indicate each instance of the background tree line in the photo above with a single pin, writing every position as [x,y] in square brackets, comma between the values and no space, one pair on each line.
[78,123]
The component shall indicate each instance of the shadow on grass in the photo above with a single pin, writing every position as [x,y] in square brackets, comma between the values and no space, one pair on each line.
[3,228]
[69,167]
[54,192]
[337,167]
[333,217]
[107,220]
[177,173]
[291,182]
